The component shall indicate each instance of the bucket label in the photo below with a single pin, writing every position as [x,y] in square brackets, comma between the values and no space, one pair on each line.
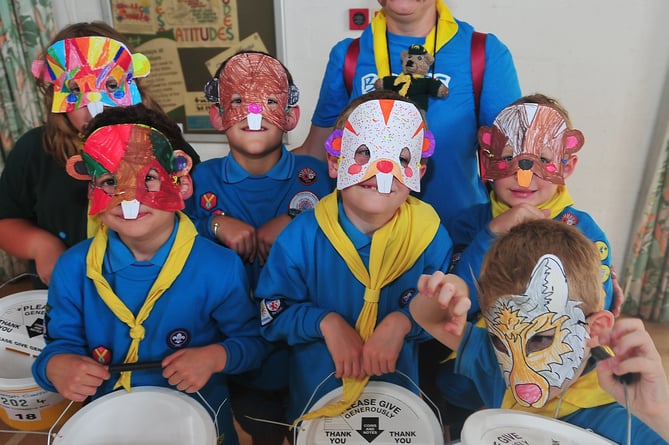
[27,404]
[374,419]
[22,325]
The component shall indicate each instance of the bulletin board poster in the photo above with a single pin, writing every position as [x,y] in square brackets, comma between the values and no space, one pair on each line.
[186,41]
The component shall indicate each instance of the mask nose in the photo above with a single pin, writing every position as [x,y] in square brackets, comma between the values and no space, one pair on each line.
[525,164]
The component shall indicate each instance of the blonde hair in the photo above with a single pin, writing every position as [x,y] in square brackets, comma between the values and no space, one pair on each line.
[61,139]
[509,263]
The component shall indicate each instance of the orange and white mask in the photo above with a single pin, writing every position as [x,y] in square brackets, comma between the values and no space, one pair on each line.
[539,336]
[251,86]
[392,136]
[525,140]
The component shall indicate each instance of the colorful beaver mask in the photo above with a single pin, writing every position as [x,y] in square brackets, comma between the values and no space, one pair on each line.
[91,72]
[528,139]
[539,336]
[385,138]
[251,86]
[129,164]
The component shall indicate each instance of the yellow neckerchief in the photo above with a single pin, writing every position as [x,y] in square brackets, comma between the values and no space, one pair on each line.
[556,204]
[93,223]
[585,392]
[445,29]
[174,263]
[395,248]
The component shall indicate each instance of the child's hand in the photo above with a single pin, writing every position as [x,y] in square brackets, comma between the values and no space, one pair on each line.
[76,376]
[636,353]
[238,236]
[441,307]
[515,215]
[381,351]
[266,235]
[345,346]
[190,369]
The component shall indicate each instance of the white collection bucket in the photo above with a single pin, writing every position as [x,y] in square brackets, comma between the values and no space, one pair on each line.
[384,414]
[148,415]
[23,404]
[496,426]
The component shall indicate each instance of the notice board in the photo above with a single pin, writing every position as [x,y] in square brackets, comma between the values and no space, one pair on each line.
[186,41]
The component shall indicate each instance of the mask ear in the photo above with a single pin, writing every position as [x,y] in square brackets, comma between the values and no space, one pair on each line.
[292,118]
[76,168]
[216,117]
[573,141]
[182,163]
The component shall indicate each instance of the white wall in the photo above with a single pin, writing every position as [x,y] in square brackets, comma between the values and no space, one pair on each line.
[607,61]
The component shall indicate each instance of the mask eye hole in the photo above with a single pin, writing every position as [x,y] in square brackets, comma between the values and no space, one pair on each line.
[498,344]
[362,155]
[405,157]
[106,183]
[111,84]
[152,181]
[540,341]
[73,87]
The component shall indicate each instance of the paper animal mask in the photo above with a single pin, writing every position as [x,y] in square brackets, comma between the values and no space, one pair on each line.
[528,139]
[91,72]
[394,135]
[251,86]
[539,336]
[129,164]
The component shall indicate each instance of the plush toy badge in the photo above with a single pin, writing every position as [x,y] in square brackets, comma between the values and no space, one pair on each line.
[252,86]
[531,367]
[528,139]
[412,82]
[91,72]
[129,164]
[394,133]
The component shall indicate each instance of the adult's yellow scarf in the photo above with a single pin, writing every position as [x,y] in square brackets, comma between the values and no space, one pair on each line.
[174,263]
[585,392]
[446,28]
[556,204]
[395,248]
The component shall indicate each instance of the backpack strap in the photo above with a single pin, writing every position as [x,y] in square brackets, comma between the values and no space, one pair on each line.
[350,62]
[478,68]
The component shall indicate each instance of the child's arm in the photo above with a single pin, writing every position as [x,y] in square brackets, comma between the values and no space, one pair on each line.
[636,353]
[237,235]
[345,346]
[75,376]
[382,350]
[190,369]
[267,233]
[441,307]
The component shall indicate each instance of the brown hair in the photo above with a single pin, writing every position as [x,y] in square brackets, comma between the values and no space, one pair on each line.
[61,140]
[509,263]
[542,99]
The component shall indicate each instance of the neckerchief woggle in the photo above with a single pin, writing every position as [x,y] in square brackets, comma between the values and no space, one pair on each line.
[445,29]
[395,248]
[560,200]
[174,263]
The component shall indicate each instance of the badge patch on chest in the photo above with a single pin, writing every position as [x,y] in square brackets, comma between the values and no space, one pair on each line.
[178,338]
[303,201]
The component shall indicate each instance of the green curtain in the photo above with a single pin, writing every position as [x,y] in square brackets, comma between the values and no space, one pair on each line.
[647,272]
[26,27]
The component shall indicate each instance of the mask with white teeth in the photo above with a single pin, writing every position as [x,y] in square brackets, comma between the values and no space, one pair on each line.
[382,138]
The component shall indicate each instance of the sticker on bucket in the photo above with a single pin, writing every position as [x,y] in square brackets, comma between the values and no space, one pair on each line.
[384,414]
[23,404]
[148,415]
